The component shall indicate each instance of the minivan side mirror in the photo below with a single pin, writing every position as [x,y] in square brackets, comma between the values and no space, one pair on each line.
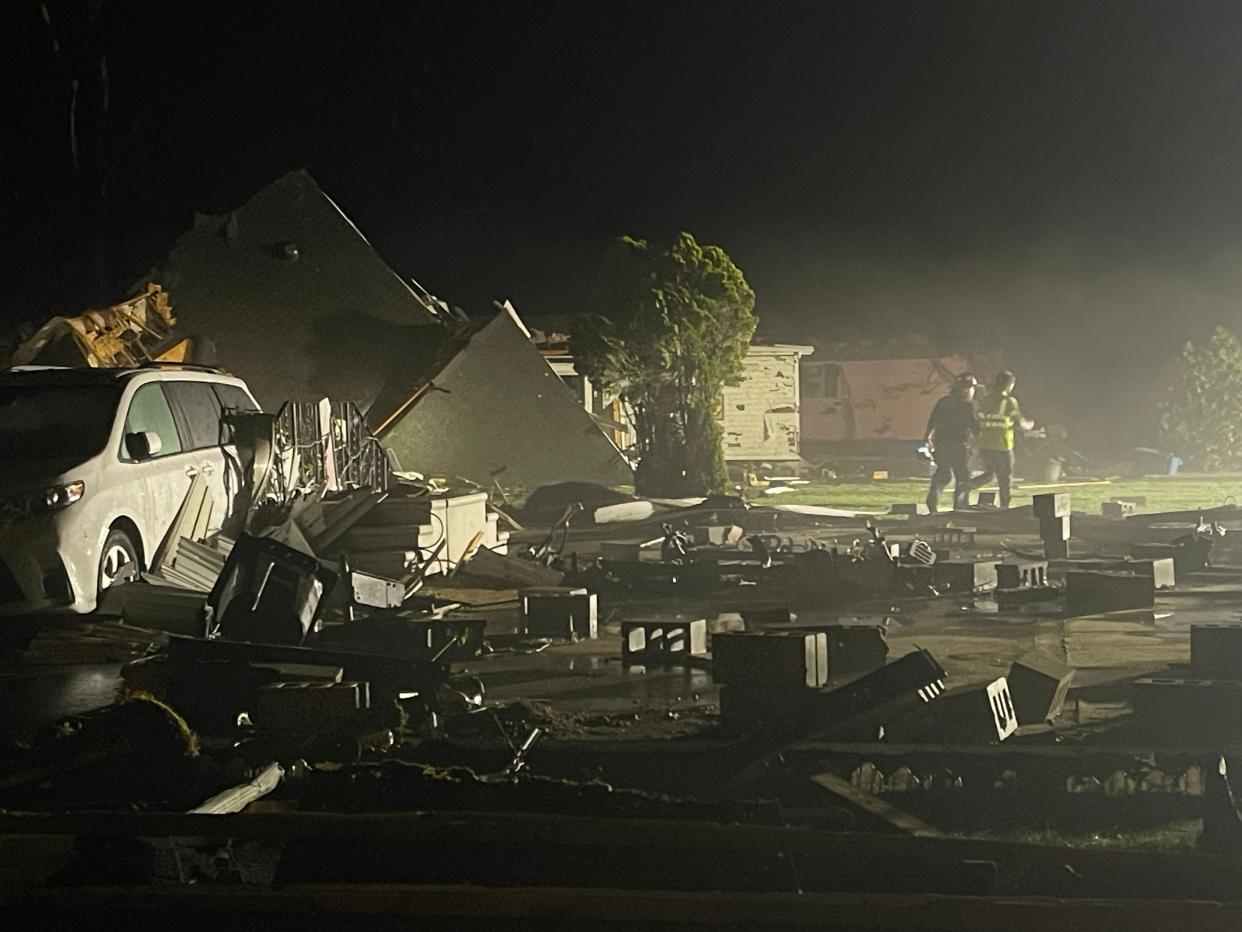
[143,445]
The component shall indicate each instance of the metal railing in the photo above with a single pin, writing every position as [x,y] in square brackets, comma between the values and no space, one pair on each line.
[325,446]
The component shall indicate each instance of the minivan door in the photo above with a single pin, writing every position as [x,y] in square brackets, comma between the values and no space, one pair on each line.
[153,488]
[198,414]
[233,398]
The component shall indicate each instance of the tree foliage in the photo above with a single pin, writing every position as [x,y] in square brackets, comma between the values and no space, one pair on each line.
[1201,418]
[669,329]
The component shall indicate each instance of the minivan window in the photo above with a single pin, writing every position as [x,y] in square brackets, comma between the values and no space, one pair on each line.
[149,411]
[234,398]
[70,421]
[200,412]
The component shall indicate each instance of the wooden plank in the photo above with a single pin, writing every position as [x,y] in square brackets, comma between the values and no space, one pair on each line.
[193,581]
[203,555]
[163,608]
[309,515]
[343,517]
[239,797]
[471,548]
[524,573]
[191,521]
[875,806]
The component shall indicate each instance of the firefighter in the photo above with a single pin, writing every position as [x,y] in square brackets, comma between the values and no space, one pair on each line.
[1000,416]
[949,429]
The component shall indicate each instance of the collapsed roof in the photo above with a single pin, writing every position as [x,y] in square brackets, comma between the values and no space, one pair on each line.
[290,296]
[294,299]
[536,432]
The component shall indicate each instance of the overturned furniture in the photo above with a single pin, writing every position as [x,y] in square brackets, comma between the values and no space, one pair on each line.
[268,592]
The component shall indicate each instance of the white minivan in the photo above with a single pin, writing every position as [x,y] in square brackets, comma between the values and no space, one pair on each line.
[94,466]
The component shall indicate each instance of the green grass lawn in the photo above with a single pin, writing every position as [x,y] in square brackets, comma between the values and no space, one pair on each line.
[1163,493]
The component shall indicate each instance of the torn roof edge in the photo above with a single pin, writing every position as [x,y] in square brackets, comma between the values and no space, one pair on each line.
[344,216]
[508,308]
[453,347]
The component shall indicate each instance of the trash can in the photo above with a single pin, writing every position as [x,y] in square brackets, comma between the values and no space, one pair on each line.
[1052,469]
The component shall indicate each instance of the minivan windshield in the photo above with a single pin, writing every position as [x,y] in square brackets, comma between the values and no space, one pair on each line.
[42,421]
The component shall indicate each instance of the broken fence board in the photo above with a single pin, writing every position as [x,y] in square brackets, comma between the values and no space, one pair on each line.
[192,520]
[875,806]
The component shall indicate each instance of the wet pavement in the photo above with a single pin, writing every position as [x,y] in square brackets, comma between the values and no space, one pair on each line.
[36,695]
[971,640]
[970,637]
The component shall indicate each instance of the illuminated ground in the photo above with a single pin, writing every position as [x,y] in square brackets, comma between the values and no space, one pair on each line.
[1163,493]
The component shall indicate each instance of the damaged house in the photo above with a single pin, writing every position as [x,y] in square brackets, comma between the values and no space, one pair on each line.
[286,292]
[759,416]
[871,394]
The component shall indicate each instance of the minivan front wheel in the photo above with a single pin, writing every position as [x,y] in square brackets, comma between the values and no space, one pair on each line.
[118,550]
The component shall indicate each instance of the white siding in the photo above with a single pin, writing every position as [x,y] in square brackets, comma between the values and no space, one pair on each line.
[760,416]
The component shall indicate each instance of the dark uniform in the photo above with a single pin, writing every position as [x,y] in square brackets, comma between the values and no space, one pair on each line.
[953,423]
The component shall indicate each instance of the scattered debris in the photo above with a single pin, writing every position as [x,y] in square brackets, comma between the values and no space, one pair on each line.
[873,805]
[268,592]
[1038,685]
[775,660]
[982,714]
[663,642]
[559,612]
[1099,593]
[239,797]
[513,570]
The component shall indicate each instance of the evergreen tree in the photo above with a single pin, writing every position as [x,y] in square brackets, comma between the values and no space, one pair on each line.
[1201,418]
[670,329]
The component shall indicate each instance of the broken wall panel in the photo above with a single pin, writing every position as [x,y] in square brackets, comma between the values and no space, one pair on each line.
[497,412]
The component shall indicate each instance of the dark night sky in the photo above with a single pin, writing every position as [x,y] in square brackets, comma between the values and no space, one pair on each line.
[1068,170]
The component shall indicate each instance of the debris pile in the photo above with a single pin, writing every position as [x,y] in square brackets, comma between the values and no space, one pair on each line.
[336,636]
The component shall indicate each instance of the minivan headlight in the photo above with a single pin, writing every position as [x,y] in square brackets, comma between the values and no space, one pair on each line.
[53,498]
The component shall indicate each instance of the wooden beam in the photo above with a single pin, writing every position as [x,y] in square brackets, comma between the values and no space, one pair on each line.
[875,806]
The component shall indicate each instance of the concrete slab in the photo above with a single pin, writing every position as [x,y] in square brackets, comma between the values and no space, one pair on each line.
[1088,593]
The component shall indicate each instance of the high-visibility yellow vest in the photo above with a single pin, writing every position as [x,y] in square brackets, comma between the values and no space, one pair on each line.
[997,417]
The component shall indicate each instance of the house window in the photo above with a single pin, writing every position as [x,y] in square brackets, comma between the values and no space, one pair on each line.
[577,385]
[820,380]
